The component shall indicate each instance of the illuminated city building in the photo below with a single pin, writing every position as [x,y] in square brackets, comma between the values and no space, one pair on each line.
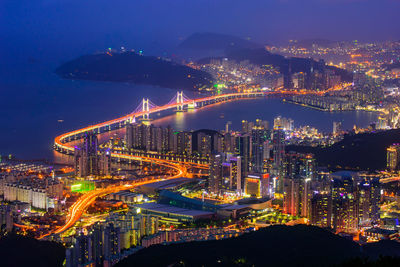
[337,128]
[285,124]
[345,217]
[258,139]
[321,210]
[38,193]
[297,196]
[278,142]
[215,181]
[89,161]
[257,185]
[232,174]
[182,143]
[393,157]
[368,197]
[243,149]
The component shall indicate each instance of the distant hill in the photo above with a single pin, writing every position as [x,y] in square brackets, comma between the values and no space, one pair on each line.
[261,56]
[131,67]
[308,43]
[355,152]
[216,41]
[278,245]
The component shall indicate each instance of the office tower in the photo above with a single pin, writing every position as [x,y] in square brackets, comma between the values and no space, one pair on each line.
[278,142]
[297,196]
[215,173]
[308,166]
[257,185]
[231,174]
[393,157]
[243,149]
[321,209]
[252,186]
[337,127]
[89,161]
[86,156]
[344,202]
[368,200]
[258,139]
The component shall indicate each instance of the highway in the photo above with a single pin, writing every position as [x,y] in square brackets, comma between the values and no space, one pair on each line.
[84,202]
[61,144]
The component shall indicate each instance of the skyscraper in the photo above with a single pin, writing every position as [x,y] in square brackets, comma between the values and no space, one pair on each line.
[278,142]
[393,157]
[215,173]
[258,138]
[89,161]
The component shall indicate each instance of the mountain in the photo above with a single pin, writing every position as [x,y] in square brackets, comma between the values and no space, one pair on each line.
[279,245]
[261,56]
[308,43]
[216,41]
[135,68]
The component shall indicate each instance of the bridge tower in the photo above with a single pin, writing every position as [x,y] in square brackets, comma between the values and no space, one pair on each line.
[179,101]
[145,109]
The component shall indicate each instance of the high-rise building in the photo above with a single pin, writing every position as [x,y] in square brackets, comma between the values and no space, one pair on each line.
[345,217]
[393,157]
[257,185]
[285,124]
[81,254]
[278,142]
[215,184]
[259,137]
[89,161]
[337,128]
[297,196]
[243,149]
[368,197]
[321,210]
[182,143]
[232,174]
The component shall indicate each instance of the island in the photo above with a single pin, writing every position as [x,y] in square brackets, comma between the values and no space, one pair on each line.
[135,68]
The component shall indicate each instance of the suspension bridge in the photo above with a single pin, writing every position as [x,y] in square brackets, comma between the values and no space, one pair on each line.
[144,111]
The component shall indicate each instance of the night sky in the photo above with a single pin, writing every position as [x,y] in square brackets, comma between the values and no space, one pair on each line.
[86,25]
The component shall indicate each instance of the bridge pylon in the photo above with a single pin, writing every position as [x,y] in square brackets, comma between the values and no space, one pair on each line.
[145,109]
[179,101]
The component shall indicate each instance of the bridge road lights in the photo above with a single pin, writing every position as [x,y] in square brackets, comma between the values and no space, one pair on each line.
[192,105]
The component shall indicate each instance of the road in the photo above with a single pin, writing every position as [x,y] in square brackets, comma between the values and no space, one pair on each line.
[83,203]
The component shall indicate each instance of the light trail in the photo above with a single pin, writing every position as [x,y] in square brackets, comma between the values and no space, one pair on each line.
[84,202]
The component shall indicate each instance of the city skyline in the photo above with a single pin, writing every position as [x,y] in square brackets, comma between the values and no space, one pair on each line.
[200,133]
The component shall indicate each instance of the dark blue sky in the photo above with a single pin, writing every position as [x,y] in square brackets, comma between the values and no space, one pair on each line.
[95,24]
